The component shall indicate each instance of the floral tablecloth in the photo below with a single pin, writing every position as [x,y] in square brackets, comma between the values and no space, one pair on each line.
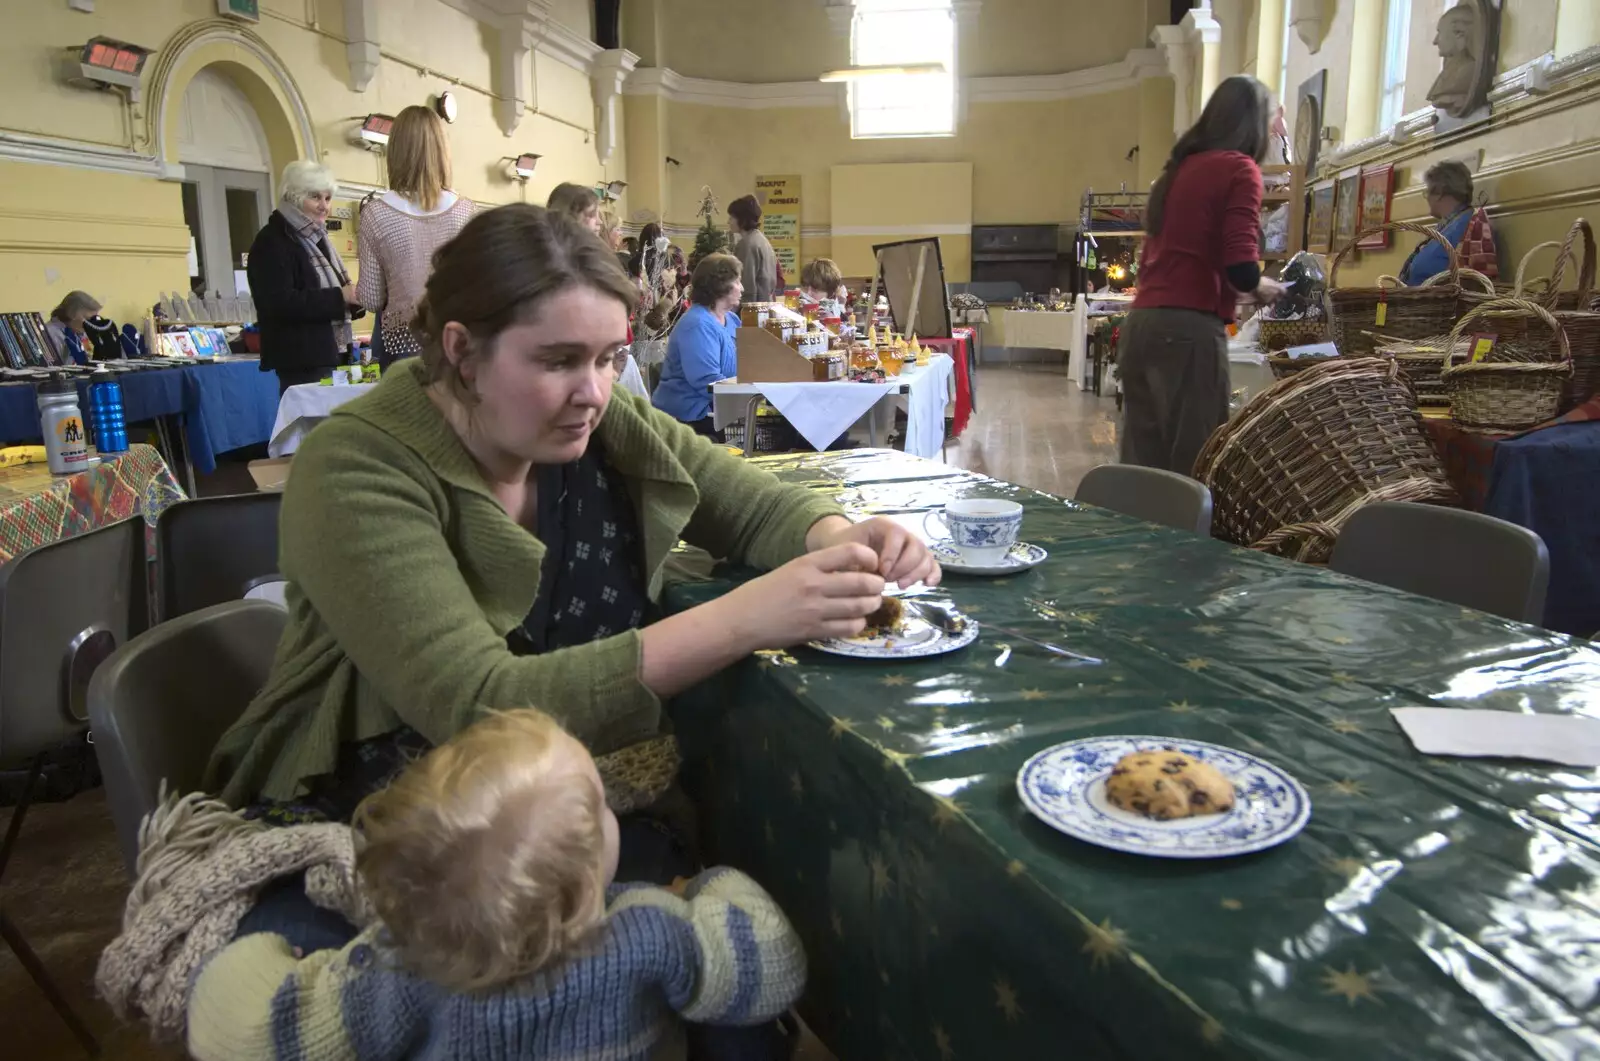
[37,508]
[1432,909]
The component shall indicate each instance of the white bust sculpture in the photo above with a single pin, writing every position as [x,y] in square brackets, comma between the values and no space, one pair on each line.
[1460,43]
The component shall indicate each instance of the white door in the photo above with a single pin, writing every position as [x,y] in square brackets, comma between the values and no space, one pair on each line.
[227,193]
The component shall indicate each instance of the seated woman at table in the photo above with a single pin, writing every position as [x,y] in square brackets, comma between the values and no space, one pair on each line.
[820,279]
[67,327]
[488,528]
[303,295]
[701,349]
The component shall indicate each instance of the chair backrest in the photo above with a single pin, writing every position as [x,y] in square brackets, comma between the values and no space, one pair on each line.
[161,702]
[208,549]
[1149,494]
[1449,554]
[63,607]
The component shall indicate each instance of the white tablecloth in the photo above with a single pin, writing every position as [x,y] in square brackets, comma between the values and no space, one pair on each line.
[821,412]
[304,407]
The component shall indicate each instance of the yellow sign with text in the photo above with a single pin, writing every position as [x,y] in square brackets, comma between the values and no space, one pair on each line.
[780,221]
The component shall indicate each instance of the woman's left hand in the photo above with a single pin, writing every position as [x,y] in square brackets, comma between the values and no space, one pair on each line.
[903,558]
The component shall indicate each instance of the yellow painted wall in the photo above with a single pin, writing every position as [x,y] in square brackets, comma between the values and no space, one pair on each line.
[427,46]
[1030,161]
[62,229]
[877,204]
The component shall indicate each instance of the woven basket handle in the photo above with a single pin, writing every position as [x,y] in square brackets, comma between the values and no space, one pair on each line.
[1508,307]
[1400,226]
[1389,280]
[1293,532]
[1585,271]
[1466,274]
[1522,266]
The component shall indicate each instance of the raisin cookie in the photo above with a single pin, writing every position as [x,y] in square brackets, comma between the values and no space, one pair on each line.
[1167,784]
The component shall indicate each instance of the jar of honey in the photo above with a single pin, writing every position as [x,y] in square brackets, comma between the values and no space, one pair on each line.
[827,367]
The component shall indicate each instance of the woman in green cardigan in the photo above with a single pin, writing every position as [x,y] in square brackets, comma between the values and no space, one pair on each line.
[488,527]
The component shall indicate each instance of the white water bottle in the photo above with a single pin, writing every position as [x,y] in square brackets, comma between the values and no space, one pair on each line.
[66,443]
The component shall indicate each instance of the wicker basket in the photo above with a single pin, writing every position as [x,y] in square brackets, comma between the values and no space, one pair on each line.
[1283,366]
[1280,335]
[1411,312]
[1305,453]
[1509,390]
[1419,363]
[1575,310]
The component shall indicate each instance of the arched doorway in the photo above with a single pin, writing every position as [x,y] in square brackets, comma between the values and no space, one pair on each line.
[227,163]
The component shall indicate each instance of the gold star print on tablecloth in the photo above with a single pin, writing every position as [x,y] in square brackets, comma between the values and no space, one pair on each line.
[839,727]
[1211,1030]
[1344,725]
[1340,639]
[946,811]
[885,722]
[1105,591]
[893,759]
[941,1042]
[1005,999]
[1346,867]
[796,785]
[894,679]
[1232,904]
[1124,567]
[1034,694]
[1348,787]
[1181,707]
[1342,677]
[878,870]
[1015,868]
[1353,986]
[1087,618]
[1105,941]
[1208,628]
[973,609]
[1197,664]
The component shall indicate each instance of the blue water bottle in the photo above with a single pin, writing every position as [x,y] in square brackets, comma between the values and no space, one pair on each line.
[105,412]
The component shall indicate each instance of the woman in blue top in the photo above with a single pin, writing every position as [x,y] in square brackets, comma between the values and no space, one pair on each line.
[701,350]
[1447,188]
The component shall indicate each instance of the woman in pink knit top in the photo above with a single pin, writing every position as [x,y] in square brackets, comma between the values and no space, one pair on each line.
[401,228]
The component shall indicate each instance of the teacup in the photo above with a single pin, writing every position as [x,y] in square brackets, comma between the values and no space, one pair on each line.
[983,529]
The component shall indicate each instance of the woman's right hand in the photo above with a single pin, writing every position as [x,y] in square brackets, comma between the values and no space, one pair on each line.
[825,594]
[1269,291]
[349,292]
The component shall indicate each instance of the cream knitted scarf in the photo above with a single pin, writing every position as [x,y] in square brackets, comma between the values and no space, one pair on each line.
[200,868]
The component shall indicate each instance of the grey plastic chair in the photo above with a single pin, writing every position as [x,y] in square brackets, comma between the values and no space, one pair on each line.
[160,703]
[64,607]
[208,550]
[1449,554]
[1149,494]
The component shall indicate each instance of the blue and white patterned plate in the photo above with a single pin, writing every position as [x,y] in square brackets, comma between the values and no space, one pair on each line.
[1021,557]
[915,637]
[1066,787]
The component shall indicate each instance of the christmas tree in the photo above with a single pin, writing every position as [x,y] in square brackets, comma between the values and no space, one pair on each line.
[710,238]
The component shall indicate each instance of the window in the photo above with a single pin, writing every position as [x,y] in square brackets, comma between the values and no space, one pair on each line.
[1396,43]
[889,32]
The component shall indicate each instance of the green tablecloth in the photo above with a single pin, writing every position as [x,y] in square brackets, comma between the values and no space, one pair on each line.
[1433,908]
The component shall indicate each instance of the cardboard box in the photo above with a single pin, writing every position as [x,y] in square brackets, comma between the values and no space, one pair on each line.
[271,474]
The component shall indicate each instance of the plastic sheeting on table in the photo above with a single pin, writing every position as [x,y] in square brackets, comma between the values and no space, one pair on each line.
[1433,908]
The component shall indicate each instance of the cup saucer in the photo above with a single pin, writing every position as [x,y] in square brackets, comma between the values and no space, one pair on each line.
[1020,557]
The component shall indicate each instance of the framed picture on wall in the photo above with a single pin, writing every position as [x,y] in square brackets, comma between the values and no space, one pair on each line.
[1377,193]
[1319,229]
[1346,208]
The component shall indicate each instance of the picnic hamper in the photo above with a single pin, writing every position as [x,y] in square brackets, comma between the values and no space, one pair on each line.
[1287,471]
[1407,312]
[1519,382]
[1420,364]
[1280,335]
[1575,310]
[1283,366]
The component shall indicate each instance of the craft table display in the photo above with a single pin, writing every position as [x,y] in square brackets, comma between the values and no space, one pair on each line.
[1547,480]
[305,406]
[223,405]
[822,412]
[1433,908]
[37,508]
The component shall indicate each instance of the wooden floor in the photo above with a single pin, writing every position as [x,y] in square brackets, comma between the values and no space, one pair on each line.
[66,885]
[1035,428]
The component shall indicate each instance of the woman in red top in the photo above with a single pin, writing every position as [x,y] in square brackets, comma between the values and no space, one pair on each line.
[1202,254]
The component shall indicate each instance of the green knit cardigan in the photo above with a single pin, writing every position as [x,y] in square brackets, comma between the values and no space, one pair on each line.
[405,576]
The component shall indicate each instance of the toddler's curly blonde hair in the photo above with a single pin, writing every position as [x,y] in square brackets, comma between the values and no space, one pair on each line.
[485,858]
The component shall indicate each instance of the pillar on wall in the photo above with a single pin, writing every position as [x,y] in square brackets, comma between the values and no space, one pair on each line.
[1156,135]
[1205,40]
[361,35]
[645,133]
[611,69]
[841,13]
[1269,45]
[1577,26]
[1366,70]
[1181,59]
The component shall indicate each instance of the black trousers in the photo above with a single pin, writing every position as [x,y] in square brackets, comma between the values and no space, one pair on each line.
[1173,364]
[294,377]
